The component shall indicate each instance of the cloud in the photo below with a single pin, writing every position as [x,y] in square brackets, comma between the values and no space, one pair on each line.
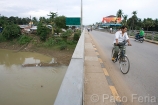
[93,10]
[39,13]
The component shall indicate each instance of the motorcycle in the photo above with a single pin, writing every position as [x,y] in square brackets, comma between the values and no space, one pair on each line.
[139,38]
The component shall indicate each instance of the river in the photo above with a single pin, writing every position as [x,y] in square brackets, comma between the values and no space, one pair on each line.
[28,85]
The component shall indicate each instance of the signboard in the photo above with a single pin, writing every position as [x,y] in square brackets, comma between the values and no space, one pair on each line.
[110,19]
[73,21]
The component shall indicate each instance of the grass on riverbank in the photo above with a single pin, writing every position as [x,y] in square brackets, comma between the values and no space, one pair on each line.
[67,40]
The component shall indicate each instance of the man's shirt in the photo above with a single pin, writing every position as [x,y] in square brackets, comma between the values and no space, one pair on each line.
[141,33]
[120,37]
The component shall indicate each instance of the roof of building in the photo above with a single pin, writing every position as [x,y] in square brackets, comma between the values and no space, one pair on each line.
[111,16]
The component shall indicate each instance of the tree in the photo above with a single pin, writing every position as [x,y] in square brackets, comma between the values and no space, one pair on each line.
[156,24]
[134,19]
[3,21]
[24,21]
[52,16]
[12,19]
[34,20]
[148,23]
[119,13]
[11,31]
[42,20]
[60,22]
[124,21]
[19,21]
[42,31]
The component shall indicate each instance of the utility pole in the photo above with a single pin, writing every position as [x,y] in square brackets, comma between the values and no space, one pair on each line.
[81,18]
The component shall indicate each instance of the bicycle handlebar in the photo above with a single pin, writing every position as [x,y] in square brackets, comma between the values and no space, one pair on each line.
[123,43]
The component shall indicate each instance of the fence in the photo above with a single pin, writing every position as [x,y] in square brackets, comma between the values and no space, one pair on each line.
[151,35]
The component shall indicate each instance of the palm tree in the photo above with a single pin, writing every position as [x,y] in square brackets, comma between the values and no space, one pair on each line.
[124,21]
[134,18]
[119,13]
[34,19]
[52,18]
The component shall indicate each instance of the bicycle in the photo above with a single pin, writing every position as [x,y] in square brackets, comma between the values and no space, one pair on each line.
[122,58]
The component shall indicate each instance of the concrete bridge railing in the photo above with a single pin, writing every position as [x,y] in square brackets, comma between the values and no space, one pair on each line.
[71,89]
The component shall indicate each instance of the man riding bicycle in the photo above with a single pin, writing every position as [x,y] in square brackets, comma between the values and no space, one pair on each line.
[120,36]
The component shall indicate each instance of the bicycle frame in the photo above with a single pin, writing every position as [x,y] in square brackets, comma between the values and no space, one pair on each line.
[122,58]
[121,53]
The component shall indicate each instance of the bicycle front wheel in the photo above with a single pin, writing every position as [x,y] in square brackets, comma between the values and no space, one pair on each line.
[112,53]
[124,64]
[113,50]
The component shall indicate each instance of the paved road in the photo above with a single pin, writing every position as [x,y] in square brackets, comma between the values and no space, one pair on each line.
[140,85]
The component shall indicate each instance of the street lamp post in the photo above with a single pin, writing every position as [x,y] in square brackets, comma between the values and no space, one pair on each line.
[81,17]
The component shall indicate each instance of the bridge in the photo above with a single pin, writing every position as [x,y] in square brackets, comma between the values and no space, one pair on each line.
[93,79]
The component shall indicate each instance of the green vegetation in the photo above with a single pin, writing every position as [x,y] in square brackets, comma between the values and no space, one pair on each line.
[23,39]
[135,23]
[66,40]
[156,37]
[55,36]
[2,38]
[42,31]
[77,36]
[11,31]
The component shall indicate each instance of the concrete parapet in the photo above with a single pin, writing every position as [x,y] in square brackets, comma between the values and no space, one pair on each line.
[71,89]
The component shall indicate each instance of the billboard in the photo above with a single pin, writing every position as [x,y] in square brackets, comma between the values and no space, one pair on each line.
[73,21]
[110,19]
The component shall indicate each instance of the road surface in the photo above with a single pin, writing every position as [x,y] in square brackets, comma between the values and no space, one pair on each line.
[140,85]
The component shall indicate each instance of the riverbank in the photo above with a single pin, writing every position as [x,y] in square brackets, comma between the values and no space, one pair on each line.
[63,57]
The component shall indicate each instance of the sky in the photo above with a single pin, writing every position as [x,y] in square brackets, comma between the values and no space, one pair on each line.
[93,10]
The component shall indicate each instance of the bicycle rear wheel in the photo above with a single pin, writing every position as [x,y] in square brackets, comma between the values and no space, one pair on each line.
[124,64]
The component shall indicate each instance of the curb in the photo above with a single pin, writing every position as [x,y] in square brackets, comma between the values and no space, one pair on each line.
[147,40]
[108,79]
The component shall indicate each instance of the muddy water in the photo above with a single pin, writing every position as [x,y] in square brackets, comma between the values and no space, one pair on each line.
[28,85]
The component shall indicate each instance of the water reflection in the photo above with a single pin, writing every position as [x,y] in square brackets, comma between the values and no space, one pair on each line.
[9,58]
[28,85]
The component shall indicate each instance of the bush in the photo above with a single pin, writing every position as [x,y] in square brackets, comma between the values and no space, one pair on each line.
[42,31]
[49,42]
[76,36]
[156,38]
[63,47]
[66,34]
[11,31]
[57,30]
[62,42]
[70,42]
[2,38]
[43,36]
[149,37]
[23,39]
[58,40]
